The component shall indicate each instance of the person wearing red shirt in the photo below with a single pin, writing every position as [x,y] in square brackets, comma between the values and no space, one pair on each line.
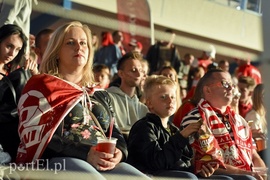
[188,105]
[247,69]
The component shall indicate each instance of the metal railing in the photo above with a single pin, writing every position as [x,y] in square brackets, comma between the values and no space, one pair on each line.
[250,5]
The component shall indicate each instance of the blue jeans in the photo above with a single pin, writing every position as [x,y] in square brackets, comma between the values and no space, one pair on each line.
[241,176]
[171,174]
[66,167]
[84,170]
[124,171]
[229,176]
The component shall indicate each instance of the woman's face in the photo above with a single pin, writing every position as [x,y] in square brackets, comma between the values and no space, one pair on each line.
[169,73]
[9,48]
[74,51]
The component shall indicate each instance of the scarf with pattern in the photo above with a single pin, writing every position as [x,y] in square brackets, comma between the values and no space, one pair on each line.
[237,151]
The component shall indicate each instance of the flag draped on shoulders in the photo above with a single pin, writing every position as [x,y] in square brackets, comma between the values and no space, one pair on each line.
[44,103]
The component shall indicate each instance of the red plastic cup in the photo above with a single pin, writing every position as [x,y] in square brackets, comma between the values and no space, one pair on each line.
[106,145]
[261,144]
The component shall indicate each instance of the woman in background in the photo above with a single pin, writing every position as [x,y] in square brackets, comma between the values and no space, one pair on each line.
[257,120]
[171,73]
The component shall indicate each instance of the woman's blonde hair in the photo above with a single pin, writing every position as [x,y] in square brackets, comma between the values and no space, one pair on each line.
[49,62]
[258,104]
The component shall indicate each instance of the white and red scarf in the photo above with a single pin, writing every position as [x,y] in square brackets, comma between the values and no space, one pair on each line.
[237,152]
[44,103]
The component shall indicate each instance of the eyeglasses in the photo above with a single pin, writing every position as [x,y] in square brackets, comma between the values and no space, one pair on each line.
[224,84]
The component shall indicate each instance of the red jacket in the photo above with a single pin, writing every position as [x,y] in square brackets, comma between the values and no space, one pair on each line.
[250,70]
[185,108]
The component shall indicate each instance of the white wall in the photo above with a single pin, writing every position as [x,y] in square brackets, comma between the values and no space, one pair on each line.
[203,18]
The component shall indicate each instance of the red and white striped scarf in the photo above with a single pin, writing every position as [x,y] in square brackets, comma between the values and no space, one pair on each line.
[237,152]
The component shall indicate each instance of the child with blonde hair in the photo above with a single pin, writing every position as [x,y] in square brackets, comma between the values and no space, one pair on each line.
[155,145]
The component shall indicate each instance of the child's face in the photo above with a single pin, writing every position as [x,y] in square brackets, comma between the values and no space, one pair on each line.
[245,92]
[162,101]
[103,78]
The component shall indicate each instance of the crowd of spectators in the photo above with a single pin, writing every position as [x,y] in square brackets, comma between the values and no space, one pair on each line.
[155,105]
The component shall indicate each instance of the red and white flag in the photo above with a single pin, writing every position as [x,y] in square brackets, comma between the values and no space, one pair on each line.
[44,103]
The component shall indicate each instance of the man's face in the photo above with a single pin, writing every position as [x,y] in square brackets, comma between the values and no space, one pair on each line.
[225,66]
[44,40]
[220,90]
[189,59]
[131,73]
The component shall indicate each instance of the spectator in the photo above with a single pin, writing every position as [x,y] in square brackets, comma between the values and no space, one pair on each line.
[245,68]
[108,53]
[95,42]
[139,89]
[224,65]
[12,49]
[237,150]
[155,145]
[118,39]
[188,105]
[136,46]
[163,53]
[207,57]
[257,120]
[41,42]
[191,103]
[64,91]
[185,66]
[102,75]
[13,45]
[195,74]
[127,106]
[145,71]
[18,12]
[246,86]
[11,36]
[170,72]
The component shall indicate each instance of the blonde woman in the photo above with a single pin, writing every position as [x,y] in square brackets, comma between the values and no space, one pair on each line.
[256,118]
[60,108]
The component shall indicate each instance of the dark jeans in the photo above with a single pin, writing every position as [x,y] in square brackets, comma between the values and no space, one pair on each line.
[171,174]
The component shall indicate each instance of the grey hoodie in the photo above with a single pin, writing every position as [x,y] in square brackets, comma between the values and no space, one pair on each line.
[127,109]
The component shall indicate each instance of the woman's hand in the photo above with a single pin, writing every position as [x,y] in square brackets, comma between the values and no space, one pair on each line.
[103,161]
[257,133]
[208,170]
[117,156]
[32,66]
